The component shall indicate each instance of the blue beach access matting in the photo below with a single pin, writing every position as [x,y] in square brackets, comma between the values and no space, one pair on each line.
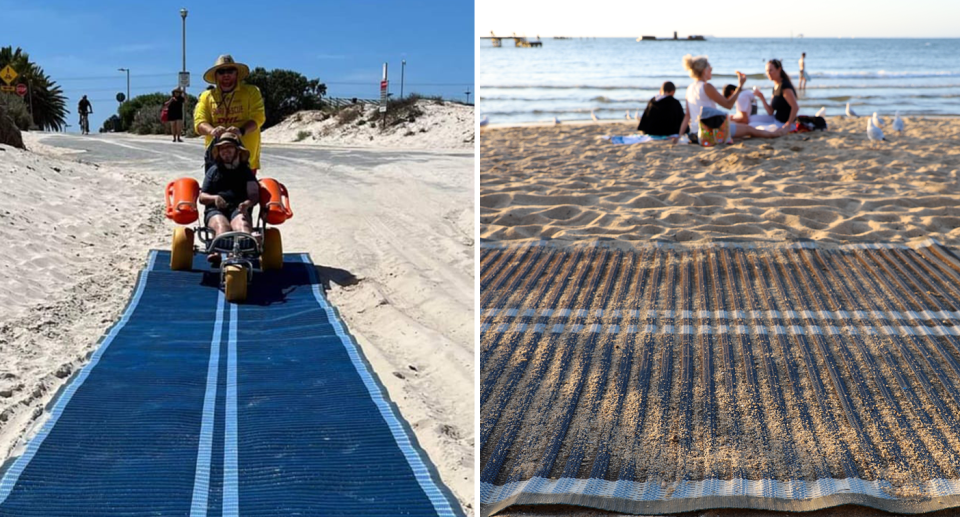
[665,379]
[192,406]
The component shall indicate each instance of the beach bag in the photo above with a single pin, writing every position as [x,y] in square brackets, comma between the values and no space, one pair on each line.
[164,112]
[711,136]
[805,123]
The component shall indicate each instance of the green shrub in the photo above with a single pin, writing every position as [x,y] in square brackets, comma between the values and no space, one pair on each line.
[302,135]
[146,121]
[14,107]
[362,122]
[129,110]
[404,110]
[349,114]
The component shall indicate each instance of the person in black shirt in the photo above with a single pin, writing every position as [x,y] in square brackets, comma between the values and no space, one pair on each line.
[175,114]
[85,109]
[784,107]
[664,115]
[230,190]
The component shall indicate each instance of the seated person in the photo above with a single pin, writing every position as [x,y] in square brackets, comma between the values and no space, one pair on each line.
[229,189]
[664,114]
[744,104]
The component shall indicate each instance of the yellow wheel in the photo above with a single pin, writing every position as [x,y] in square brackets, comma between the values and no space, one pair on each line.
[272,257]
[235,283]
[181,253]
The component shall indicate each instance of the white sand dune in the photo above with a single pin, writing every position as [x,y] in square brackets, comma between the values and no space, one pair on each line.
[443,125]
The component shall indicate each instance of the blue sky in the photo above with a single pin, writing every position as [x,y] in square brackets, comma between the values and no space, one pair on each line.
[718,18]
[80,45]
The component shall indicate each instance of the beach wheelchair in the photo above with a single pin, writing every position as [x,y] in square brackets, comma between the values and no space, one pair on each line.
[242,252]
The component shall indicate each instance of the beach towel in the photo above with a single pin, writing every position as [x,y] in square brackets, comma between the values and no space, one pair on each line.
[764,122]
[636,139]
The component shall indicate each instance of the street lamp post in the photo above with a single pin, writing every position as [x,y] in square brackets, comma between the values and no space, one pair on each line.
[183,17]
[127,70]
[468,95]
[403,65]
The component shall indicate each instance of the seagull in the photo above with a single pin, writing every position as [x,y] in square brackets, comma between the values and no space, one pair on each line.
[874,133]
[594,116]
[627,116]
[822,112]
[637,115]
[484,121]
[556,120]
[898,123]
[877,121]
[850,112]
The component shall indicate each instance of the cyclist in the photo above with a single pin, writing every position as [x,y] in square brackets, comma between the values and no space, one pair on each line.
[232,106]
[85,108]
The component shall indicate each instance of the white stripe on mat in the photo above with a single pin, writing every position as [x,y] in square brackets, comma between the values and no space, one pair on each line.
[201,483]
[231,499]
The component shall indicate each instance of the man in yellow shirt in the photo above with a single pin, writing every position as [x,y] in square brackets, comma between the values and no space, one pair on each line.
[232,106]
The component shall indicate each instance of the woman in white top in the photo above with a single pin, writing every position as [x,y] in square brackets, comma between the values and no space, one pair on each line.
[703,94]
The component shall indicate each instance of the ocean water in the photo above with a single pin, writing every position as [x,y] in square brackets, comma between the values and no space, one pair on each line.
[567,78]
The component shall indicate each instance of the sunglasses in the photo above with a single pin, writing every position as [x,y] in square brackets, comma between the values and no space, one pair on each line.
[223,71]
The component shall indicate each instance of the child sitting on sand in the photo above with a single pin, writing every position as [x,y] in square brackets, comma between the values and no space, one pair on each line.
[664,114]
[744,104]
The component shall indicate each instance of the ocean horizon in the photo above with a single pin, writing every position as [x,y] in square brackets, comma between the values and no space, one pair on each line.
[570,78]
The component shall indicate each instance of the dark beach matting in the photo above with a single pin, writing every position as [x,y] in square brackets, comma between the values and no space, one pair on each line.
[659,380]
[194,406]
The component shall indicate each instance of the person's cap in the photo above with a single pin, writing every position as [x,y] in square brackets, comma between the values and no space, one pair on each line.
[226,61]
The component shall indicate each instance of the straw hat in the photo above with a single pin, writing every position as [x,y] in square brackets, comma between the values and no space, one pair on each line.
[226,61]
[230,139]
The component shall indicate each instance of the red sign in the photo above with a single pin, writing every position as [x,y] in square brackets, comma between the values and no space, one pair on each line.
[383,85]
[21,89]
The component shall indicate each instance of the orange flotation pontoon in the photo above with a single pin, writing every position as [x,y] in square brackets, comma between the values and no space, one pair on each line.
[274,201]
[181,198]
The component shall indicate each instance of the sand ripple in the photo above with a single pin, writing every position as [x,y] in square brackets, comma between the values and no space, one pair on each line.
[563,182]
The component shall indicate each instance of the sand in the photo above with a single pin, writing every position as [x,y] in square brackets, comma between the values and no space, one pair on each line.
[563,182]
[400,273]
[443,125]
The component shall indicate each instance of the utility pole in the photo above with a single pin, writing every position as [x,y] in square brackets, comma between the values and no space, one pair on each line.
[183,32]
[468,94]
[403,66]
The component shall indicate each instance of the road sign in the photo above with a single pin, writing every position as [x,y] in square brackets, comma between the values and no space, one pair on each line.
[8,74]
[21,89]
[184,79]
[383,109]
[121,97]
[8,89]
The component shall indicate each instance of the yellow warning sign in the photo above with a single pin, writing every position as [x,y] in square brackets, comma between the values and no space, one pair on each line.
[4,88]
[8,74]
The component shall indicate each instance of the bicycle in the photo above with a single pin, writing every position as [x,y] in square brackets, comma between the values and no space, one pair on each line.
[84,124]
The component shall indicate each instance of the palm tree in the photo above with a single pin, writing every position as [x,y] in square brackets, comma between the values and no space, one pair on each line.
[48,104]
